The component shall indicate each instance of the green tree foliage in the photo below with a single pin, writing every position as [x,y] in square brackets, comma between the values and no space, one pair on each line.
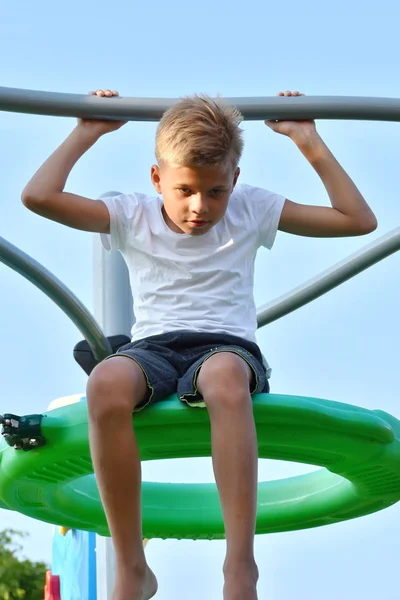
[20,579]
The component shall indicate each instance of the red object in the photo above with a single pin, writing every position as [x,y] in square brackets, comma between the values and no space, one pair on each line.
[52,588]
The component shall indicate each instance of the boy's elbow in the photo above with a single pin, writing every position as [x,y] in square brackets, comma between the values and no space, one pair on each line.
[371,224]
[367,224]
[29,200]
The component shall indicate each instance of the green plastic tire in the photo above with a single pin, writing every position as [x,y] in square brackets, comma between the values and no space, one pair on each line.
[358,448]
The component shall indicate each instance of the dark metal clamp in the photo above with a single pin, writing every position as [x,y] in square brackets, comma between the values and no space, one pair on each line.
[22,433]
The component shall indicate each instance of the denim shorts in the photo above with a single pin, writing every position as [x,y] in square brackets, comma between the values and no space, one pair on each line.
[171,362]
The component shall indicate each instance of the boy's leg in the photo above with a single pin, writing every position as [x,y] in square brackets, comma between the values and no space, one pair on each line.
[224,382]
[114,389]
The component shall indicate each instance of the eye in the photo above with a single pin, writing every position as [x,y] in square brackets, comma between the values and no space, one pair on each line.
[185,191]
[216,192]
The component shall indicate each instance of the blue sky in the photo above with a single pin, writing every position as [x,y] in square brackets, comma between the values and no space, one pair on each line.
[342,347]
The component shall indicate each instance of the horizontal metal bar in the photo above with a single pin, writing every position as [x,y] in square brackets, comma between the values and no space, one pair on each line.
[329,279]
[48,283]
[151,109]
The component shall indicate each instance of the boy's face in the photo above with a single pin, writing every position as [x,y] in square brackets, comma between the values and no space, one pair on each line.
[195,198]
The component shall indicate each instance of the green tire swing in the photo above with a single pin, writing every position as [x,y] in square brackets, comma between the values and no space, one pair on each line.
[358,450]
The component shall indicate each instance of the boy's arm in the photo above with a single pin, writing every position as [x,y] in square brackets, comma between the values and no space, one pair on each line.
[44,194]
[349,214]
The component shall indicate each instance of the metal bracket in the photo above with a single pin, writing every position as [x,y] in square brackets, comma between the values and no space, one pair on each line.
[22,433]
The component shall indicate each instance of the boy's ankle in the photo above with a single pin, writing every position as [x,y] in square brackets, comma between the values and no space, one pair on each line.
[136,569]
[235,567]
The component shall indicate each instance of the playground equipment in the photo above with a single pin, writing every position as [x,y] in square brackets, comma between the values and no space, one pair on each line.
[359,448]
[45,469]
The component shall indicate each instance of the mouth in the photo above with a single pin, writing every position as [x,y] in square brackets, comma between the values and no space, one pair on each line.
[199,223]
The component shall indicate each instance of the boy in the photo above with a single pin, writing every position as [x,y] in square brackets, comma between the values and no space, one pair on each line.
[191,260]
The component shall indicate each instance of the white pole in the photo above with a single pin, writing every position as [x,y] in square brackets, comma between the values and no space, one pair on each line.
[114,312]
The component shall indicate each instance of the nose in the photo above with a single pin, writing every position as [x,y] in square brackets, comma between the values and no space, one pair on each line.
[198,204]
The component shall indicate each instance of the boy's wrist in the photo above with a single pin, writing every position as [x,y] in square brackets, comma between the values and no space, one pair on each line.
[312,146]
[87,134]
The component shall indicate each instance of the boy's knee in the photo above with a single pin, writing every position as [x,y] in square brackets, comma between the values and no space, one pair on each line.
[115,384]
[224,379]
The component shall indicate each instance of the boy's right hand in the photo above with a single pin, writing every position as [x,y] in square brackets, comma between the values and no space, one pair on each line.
[98,127]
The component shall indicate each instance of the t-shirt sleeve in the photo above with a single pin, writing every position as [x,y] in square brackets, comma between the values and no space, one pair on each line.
[124,212]
[266,208]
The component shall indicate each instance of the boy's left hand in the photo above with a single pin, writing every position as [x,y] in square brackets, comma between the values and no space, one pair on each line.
[298,131]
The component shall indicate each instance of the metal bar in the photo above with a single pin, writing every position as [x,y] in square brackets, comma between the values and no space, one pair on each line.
[48,283]
[151,109]
[112,296]
[329,279]
[113,309]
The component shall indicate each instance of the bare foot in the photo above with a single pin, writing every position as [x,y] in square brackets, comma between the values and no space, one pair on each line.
[136,586]
[243,590]
[241,584]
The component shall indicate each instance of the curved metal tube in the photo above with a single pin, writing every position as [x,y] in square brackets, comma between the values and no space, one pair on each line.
[151,109]
[329,279]
[48,283]
[37,274]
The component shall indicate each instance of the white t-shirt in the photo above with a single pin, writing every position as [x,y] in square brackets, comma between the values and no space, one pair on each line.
[197,283]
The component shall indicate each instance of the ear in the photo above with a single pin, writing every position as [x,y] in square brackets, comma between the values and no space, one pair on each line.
[156,178]
[236,176]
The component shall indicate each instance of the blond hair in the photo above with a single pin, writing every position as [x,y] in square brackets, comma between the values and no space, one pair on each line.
[200,132]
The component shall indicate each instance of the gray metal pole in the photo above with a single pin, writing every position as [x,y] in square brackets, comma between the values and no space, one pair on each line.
[329,279]
[151,109]
[113,307]
[48,283]
[114,310]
